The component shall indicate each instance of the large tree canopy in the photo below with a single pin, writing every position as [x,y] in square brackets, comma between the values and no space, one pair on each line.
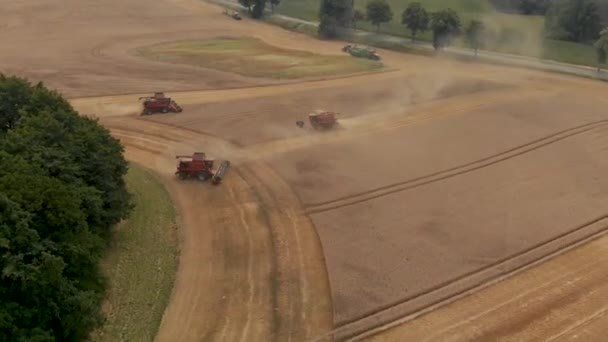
[445,25]
[334,15]
[573,20]
[415,18]
[61,190]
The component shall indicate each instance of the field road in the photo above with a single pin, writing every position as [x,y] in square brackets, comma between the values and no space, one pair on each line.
[441,172]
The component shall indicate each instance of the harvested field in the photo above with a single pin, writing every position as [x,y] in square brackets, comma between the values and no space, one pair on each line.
[252,57]
[442,176]
[262,119]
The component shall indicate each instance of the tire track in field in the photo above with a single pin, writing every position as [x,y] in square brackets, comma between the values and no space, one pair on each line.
[285,296]
[296,245]
[378,123]
[319,207]
[535,297]
[289,293]
[368,323]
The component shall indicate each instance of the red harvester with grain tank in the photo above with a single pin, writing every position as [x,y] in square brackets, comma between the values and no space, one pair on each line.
[198,166]
[323,119]
[158,103]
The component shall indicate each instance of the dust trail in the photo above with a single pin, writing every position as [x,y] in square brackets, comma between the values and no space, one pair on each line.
[513,34]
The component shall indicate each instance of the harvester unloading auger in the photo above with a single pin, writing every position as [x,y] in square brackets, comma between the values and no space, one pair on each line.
[198,166]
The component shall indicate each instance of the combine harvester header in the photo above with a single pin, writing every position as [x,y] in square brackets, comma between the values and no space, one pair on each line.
[198,166]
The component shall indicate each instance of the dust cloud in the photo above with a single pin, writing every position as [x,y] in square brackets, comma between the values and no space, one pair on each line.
[376,110]
[514,34]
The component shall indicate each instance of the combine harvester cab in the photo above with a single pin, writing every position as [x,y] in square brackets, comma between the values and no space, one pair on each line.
[199,167]
[159,103]
[323,119]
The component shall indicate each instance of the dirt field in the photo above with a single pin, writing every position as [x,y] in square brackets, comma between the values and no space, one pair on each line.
[252,57]
[443,175]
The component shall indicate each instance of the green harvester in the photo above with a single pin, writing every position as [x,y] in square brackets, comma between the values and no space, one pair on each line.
[361,52]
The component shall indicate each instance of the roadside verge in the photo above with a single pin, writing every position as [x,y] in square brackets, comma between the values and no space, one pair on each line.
[141,263]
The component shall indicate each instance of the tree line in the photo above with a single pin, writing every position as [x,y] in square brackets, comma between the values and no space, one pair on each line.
[444,24]
[256,8]
[573,20]
[61,191]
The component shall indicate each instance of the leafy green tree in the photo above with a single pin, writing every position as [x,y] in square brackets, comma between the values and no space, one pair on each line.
[258,9]
[378,12]
[474,34]
[573,20]
[445,25]
[61,190]
[601,48]
[50,281]
[255,7]
[248,4]
[415,18]
[19,96]
[357,16]
[333,16]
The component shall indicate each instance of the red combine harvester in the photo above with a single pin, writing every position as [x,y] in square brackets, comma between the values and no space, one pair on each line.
[323,119]
[198,166]
[159,103]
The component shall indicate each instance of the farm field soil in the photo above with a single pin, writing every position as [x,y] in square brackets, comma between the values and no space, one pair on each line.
[560,300]
[143,247]
[440,170]
[252,57]
[262,119]
[460,196]
[249,266]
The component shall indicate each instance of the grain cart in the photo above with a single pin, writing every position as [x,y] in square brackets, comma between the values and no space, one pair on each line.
[361,52]
[323,119]
[198,166]
[159,103]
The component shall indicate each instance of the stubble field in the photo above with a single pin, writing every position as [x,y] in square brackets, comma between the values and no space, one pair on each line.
[442,176]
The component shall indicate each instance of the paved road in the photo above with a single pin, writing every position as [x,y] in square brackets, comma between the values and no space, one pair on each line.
[487,56]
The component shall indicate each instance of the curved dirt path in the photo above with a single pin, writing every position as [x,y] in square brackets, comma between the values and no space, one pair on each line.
[251,267]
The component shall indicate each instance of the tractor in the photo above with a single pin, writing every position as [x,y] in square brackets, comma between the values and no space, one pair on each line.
[199,167]
[361,52]
[159,103]
[323,119]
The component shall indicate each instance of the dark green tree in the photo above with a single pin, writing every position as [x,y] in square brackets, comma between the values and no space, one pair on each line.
[475,34]
[19,96]
[573,20]
[248,4]
[51,283]
[333,16]
[61,190]
[254,7]
[378,12]
[445,25]
[415,18]
[258,9]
